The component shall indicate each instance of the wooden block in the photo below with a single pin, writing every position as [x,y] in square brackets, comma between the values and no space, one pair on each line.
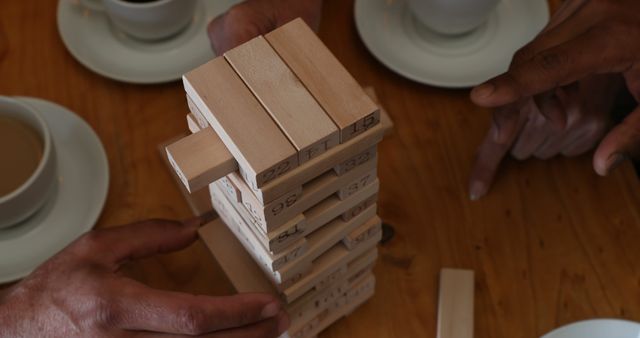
[384,116]
[312,304]
[344,154]
[360,234]
[264,259]
[324,76]
[199,202]
[328,317]
[240,268]
[325,266]
[297,113]
[262,151]
[326,237]
[231,189]
[273,215]
[358,184]
[356,161]
[332,207]
[316,166]
[246,275]
[287,265]
[192,124]
[455,304]
[199,118]
[276,241]
[198,161]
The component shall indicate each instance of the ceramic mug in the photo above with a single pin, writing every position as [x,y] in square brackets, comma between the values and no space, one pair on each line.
[452,17]
[147,20]
[30,196]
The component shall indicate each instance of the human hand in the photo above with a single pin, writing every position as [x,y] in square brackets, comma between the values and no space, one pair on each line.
[523,130]
[251,18]
[79,293]
[585,37]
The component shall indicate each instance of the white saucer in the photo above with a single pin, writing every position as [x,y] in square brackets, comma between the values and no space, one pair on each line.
[597,328]
[396,39]
[95,43]
[75,205]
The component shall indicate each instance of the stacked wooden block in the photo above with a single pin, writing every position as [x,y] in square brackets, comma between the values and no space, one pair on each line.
[285,140]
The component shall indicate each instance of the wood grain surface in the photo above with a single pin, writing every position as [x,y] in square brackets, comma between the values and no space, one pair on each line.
[551,244]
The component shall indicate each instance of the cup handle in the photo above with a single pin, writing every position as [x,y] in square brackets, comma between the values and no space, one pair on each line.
[95,5]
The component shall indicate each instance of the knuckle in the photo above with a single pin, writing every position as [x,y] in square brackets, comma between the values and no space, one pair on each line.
[192,321]
[552,61]
[522,55]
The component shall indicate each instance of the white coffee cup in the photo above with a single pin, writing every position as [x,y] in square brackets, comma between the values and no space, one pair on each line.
[452,17]
[151,20]
[23,202]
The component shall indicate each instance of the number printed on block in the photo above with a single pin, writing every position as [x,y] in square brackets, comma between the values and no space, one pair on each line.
[355,161]
[355,211]
[358,184]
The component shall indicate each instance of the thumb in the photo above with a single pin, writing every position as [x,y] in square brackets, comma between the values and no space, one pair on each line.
[621,143]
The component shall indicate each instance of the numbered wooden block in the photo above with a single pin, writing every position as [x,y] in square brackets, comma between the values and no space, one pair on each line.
[247,276]
[201,121]
[340,156]
[269,262]
[356,210]
[325,265]
[192,124]
[313,303]
[330,316]
[273,215]
[289,264]
[231,189]
[361,234]
[356,161]
[240,121]
[292,107]
[319,165]
[324,76]
[358,184]
[197,160]
[326,237]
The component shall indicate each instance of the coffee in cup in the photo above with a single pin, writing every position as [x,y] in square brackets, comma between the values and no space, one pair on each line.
[28,167]
[452,17]
[146,19]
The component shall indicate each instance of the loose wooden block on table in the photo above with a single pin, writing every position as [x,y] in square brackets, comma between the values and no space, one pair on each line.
[455,304]
[292,107]
[263,152]
[325,77]
[197,160]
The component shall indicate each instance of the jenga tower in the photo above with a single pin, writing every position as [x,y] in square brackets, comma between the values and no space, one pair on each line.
[285,140]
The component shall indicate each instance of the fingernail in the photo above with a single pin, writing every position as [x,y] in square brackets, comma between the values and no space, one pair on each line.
[477,190]
[283,323]
[483,91]
[614,161]
[271,310]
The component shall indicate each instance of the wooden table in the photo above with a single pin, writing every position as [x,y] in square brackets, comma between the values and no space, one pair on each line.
[552,243]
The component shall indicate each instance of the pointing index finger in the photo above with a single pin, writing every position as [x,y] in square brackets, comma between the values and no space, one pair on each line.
[589,53]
